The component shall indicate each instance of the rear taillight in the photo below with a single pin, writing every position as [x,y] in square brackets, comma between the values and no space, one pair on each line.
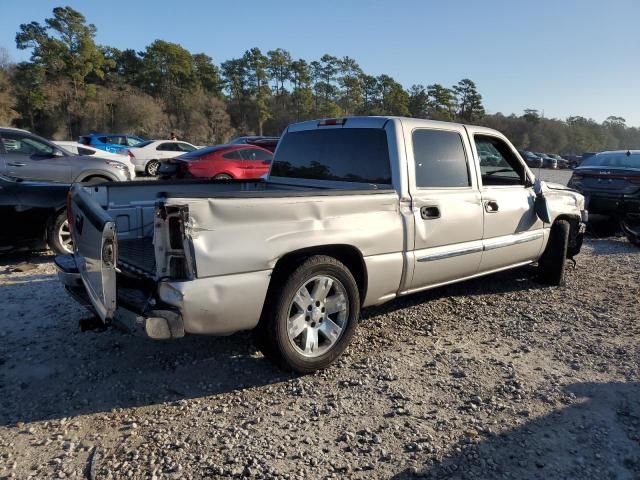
[69,213]
[131,155]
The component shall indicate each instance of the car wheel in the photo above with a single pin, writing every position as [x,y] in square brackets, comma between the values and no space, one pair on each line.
[310,319]
[551,266]
[223,176]
[152,168]
[59,235]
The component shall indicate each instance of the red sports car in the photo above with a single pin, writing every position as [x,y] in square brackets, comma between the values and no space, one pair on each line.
[242,162]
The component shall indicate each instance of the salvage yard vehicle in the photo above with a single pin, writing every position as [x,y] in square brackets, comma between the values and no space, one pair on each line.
[88,151]
[354,212]
[33,216]
[610,181]
[148,155]
[29,157]
[222,162]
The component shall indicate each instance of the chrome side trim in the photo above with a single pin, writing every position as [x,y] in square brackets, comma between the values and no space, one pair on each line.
[452,253]
[512,240]
[491,244]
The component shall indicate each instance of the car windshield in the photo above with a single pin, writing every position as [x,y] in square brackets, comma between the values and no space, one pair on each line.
[143,144]
[618,159]
[201,152]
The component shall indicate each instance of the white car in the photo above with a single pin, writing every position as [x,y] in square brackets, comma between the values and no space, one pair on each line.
[80,149]
[146,156]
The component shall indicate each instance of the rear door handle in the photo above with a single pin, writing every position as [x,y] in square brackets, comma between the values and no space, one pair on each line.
[491,206]
[16,164]
[429,212]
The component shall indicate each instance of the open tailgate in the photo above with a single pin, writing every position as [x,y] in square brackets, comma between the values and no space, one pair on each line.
[94,237]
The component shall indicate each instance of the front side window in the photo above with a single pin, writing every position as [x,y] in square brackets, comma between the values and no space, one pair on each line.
[498,164]
[440,160]
[336,154]
[17,144]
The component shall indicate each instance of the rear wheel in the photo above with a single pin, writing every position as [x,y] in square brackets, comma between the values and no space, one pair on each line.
[223,176]
[152,168]
[310,320]
[630,225]
[551,266]
[59,235]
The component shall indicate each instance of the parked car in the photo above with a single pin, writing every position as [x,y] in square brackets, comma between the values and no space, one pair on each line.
[611,183]
[341,222]
[574,160]
[27,156]
[547,161]
[531,159]
[33,216]
[240,162]
[561,162]
[148,155]
[270,143]
[86,150]
[110,142]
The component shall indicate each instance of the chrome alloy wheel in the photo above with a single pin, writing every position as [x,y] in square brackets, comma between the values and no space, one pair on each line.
[318,315]
[64,237]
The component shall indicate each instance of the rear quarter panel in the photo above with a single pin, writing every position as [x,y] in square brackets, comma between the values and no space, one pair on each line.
[238,235]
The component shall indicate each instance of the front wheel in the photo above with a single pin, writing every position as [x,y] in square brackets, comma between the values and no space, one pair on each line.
[59,235]
[309,321]
[551,266]
[152,168]
[223,176]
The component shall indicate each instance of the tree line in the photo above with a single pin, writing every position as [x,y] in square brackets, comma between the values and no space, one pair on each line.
[71,86]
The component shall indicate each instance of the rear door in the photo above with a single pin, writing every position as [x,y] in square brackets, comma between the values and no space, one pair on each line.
[30,158]
[513,233]
[168,150]
[95,245]
[446,204]
[255,162]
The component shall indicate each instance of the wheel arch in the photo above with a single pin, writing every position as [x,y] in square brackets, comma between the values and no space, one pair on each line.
[349,255]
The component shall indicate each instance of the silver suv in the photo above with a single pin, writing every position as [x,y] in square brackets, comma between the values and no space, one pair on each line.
[27,156]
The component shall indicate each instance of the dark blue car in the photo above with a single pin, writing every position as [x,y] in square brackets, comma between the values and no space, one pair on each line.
[111,142]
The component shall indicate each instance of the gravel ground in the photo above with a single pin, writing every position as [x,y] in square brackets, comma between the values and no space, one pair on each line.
[498,377]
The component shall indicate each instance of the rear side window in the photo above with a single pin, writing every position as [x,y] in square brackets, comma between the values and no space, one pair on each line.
[341,154]
[439,159]
[168,147]
[85,151]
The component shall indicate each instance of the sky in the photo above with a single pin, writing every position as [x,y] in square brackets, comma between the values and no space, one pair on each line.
[562,57]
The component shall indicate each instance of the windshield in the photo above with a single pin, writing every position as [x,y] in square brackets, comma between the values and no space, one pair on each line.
[337,154]
[143,144]
[617,159]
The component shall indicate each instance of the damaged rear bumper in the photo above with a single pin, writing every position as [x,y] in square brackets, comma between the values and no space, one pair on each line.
[136,313]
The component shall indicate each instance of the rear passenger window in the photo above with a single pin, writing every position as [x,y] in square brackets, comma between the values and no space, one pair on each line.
[233,155]
[440,159]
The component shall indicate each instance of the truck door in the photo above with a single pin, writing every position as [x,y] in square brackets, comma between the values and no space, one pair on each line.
[513,233]
[446,204]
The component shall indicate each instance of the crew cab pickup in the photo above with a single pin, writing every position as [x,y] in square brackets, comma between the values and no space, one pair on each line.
[354,212]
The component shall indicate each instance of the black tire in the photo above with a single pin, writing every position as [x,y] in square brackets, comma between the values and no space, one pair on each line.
[551,266]
[223,176]
[56,230]
[151,169]
[631,229]
[271,335]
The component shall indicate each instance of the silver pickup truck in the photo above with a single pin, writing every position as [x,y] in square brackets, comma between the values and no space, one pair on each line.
[355,212]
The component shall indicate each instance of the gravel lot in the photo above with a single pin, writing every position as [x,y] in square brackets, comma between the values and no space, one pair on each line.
[498,377]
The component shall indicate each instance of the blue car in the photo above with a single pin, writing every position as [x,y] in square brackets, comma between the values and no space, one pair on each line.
[111,142]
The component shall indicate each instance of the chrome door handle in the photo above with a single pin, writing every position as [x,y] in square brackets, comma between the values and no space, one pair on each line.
[16,164]
[491,206]
[429,212]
